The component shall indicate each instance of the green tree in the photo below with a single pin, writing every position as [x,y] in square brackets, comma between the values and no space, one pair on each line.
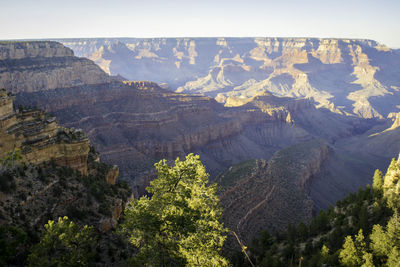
[391,185]
[377,181]
[353,250]
[380,244]
[394,257]
[385,243]
[324,254]
[179,224]
[348,255]
[63,244]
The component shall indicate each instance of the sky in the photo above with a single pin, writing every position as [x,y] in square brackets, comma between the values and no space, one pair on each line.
[40,19]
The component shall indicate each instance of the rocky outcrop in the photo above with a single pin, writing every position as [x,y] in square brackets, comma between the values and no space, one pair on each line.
[314,165]
[347,76]
[33,49]
[35,66]
[39,137]
[395,117]
[108,223]
[112,175]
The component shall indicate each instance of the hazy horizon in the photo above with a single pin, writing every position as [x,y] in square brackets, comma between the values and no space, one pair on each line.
[355,19]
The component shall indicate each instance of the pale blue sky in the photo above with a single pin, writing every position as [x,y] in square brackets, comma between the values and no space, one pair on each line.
[371,19]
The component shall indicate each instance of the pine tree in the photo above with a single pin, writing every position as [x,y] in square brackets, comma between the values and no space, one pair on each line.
[348,255]
[391,185]
[353,252]
[377,181]
[324,254]
[179,224]
[394,257]
[368,260]
[385,243]
[63,244]
[379,242]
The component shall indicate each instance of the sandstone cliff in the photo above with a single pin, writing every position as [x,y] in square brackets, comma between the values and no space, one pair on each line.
[347,76]
[39,137]
[34,66]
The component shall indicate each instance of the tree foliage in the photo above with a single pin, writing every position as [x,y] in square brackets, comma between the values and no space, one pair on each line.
[377,181]
[179,223]
[385,243]
[353,250]
[63,244]
[391,185]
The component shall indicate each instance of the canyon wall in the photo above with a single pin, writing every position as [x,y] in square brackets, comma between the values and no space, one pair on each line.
[348,76]
[35,65]
[39,137]
[129,123]
[259,194]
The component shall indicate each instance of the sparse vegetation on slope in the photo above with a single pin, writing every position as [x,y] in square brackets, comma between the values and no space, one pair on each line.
[35,194]
[362,229]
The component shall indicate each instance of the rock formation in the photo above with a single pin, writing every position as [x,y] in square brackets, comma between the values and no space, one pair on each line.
[347,76]
[34,66]
[39,137]
[396,120]
[112,175]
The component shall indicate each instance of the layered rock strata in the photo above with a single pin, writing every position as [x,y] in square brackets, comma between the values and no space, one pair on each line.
[135,124]
[35,65]
[347,76]
[39,137]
